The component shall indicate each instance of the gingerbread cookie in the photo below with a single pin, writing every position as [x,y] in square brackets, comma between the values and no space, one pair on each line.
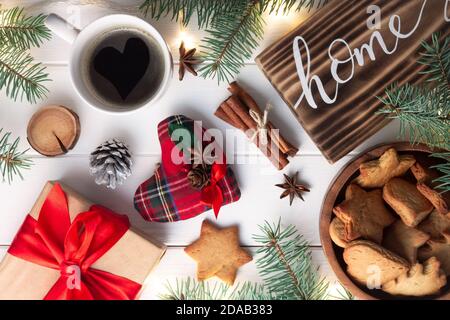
[434,197]
[368,262]
[404,240]
[363,214]
[420,280]
[337,232]
[423,175]
[407,201]
[376,173]
[405,163]
[436,225]
[438,249]
[218,253]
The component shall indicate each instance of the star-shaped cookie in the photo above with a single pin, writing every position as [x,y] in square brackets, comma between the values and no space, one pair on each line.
[217,253]
[375,173]
[363,214]
[404,240]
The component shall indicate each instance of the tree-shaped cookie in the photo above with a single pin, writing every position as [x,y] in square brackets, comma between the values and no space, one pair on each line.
[218,253]
[420,280]
[363,214]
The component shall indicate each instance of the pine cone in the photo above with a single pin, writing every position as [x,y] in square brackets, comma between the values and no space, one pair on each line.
[198,176]
[111,163]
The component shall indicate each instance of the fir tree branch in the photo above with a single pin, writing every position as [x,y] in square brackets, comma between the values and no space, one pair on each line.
[423,114]
[234,27]
[285,264]
[21,31]
[207,10]
[343,294]
[190,289]
[436,58]
[184,10]
[12,161]
[231,40]
[285,6]
[443,182]
[19,76]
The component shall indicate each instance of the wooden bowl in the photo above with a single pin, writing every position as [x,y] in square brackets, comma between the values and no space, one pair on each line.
[335,195]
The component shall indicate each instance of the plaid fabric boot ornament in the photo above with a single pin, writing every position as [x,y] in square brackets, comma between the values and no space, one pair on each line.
[186,184]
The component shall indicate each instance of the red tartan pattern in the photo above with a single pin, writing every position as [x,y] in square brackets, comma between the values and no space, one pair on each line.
[168,196]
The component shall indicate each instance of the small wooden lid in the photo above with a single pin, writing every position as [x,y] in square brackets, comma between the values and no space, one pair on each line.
[53,130]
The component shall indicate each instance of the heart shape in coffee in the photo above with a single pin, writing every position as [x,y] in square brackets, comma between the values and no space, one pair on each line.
[123,70]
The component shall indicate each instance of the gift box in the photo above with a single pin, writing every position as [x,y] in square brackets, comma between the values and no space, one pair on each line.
[69,248]
[170,195]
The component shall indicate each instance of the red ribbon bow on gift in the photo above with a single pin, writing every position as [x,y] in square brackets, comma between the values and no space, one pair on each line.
[54,242]
[212,194]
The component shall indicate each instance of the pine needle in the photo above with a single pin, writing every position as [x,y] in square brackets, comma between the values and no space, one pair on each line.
[184,10]
[231,40]
[286,6]
[285,264]
[20,76]
[443,182]
[436,58]
[12,161]
[21,31]
[190,289]
[234,27]
[342,293]
[424,112]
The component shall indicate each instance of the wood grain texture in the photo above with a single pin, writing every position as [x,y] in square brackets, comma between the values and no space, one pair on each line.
[196,98]
[53,130]
[340,127]
[336,194]
[177,265]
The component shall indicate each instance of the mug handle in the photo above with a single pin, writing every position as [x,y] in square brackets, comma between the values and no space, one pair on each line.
[62,28]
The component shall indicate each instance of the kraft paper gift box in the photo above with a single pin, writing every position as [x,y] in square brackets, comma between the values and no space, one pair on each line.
[130,259]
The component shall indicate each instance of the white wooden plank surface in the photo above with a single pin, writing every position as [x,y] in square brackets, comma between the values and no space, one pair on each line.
[259,200]
[176,265]
[195,97]
[57,52]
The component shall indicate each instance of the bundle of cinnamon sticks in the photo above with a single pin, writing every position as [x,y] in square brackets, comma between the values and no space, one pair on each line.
[236,112]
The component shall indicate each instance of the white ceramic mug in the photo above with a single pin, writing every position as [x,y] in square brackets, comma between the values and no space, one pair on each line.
[82,40]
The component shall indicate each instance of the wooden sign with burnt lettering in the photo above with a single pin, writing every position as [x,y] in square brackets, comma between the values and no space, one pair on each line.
[331,69]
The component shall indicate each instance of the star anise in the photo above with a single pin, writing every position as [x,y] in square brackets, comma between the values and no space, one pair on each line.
[292,188]
[187,61]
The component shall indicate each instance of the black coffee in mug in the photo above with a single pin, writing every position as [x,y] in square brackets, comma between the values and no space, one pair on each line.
[125,69]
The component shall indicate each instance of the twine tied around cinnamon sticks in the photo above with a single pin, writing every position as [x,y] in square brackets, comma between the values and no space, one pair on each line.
[261,124]
[242,112]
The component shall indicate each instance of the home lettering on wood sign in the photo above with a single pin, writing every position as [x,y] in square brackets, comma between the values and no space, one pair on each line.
[331,69]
